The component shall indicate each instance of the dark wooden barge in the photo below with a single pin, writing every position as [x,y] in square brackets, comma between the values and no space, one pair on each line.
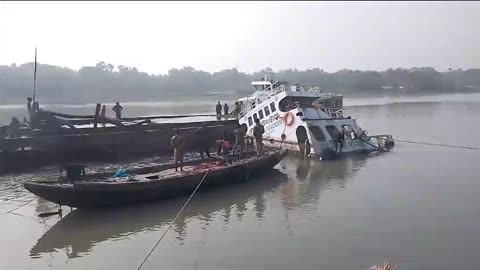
[126,138]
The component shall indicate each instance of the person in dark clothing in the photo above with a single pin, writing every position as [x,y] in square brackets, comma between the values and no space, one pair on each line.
[178,143]
[340,140]
[236,110]
[202,141]
[225,109]
[15,128]
[239,133]
[35,118]
[118,110]
[29,107]
[258,131]
[219,108]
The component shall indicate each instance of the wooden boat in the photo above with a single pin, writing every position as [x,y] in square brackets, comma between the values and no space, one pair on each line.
[155,185]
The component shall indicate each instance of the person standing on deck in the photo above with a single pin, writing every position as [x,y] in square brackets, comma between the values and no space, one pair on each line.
[258,131]
[218,109]
[178,143]
[202,139]
[239,133]
[15,128]
[29,108]
[118,110]
[225,109]
[238,108]
[340,140]
[35,115]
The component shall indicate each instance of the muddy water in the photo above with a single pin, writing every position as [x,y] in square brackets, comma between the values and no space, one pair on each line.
[416,206]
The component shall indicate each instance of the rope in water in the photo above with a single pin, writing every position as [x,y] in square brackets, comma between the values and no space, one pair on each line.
[372,145]
[439,144]
[173,221]
[21,206]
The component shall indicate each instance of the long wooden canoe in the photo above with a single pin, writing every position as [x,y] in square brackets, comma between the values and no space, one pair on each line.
[157,185]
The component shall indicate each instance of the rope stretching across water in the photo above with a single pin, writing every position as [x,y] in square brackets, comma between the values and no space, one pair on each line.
[439,144]
[9,212]
[173,221]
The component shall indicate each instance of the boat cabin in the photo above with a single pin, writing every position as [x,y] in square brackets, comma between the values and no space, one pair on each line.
[262,85]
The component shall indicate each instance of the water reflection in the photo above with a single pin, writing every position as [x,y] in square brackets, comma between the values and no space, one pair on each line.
[310,177]
[80,231]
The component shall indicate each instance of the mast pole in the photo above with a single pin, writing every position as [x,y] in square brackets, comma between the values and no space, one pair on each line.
[35,75]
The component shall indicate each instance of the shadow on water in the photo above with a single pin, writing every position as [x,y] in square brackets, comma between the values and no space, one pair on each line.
[81,230]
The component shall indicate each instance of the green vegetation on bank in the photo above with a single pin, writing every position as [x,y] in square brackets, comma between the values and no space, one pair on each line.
[108,83]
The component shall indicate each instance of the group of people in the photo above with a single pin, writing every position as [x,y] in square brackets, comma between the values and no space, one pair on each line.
[223,144]
[235,112]
[218,109]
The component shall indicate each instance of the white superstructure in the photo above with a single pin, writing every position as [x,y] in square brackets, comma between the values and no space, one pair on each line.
[305,119]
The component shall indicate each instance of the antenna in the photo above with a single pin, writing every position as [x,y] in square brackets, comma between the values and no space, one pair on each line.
[35,74]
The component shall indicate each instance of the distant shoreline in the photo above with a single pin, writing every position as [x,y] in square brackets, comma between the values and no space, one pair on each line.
[202,100]
[229,96]
[106,83]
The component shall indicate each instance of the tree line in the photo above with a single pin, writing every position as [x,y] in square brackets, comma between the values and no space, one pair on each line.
[106,83]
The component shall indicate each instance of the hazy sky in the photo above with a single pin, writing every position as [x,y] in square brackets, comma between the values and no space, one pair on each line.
[158,36]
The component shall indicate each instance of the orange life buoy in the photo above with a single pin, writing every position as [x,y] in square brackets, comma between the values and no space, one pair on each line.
[288,119]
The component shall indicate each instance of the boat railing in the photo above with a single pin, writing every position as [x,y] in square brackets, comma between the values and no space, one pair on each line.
[335,113]
[278,89]
[312,89]
[252,103]
[339,113]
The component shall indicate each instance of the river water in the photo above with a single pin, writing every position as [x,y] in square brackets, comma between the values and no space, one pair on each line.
[417,206]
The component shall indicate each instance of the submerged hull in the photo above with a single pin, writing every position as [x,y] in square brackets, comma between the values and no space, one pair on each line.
[88,194]
[326,150]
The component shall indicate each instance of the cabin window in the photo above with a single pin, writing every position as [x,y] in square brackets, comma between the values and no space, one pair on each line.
[332,131]
[255,117]
[272,106]
[250,121]
[260,114]
[317,133]
[267,111]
